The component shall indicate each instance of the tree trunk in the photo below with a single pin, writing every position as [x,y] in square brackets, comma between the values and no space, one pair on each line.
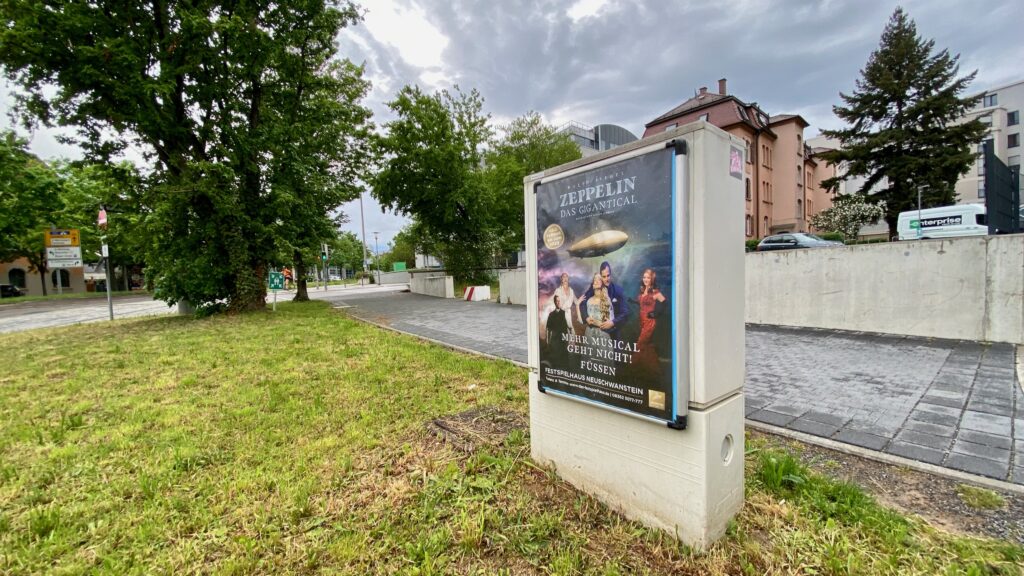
[301,292]
[250,291]
[42,279]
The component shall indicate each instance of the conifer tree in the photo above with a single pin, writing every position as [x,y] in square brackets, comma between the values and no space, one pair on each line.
[904,123]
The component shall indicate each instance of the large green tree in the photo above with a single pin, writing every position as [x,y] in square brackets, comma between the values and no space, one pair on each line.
[527,145]
[199,87]
[905,131]
[432,153]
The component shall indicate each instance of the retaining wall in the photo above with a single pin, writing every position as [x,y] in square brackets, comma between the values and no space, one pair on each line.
[963,288]
[432,284]
[512,286]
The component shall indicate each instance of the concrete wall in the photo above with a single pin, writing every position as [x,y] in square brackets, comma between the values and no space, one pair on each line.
[401,277]
[512,286]
[432,285]
[964,288]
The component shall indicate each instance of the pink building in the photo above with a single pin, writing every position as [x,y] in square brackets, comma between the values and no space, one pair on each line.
[782,177]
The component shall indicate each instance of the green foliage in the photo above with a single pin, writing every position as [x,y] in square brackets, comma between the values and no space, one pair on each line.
[832,236]
[403,249]
[467,205]
[780,473]
[847,214]
[250,121]
[751,245]
[433,153]
[903,129]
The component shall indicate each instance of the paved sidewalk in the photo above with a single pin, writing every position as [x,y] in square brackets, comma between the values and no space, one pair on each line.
[945,402]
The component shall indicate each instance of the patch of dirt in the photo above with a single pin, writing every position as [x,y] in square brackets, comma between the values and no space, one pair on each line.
[930,497]
[469,431]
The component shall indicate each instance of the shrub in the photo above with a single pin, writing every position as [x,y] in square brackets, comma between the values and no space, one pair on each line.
[833,236]
[752,244]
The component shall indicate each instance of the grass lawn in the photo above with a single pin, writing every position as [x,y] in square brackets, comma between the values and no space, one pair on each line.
[300,442]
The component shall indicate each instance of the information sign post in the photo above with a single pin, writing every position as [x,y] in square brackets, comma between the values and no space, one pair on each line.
[276,282]
[636,333]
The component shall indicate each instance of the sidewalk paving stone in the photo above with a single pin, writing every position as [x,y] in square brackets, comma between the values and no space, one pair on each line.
[915,452]
[981,451]
[975,465]
[862,439]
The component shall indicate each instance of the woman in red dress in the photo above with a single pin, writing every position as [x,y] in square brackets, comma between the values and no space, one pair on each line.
[649,298]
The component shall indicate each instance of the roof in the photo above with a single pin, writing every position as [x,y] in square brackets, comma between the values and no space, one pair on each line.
[786,117]
[694,103]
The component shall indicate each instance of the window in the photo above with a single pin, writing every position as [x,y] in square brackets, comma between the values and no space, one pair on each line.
[1013,118]
[16,277]
[986,119]
[981,188]
[981,164]
[703,117]
[765,226]
[799,145]
[65,278]
[799,208]
[799,177]
[981,145]
[990,100]
[1012,140]
[671,126]
[748,189]
[747,142]
[750,225]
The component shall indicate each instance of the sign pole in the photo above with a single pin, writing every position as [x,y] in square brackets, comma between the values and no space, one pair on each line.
[110,299]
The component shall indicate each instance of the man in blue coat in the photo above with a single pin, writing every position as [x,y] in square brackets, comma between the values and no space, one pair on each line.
[620,309]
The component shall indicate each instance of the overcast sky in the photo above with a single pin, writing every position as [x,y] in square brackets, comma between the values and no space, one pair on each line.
[627,61]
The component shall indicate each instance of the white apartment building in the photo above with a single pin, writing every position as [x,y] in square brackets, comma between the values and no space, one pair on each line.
[999,109]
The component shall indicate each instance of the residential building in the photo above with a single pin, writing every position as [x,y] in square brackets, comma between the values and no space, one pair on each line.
[594,139]
[21,274]
[782,177]
[999,108]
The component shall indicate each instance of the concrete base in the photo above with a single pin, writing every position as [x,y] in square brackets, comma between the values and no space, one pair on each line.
[688,483]
[477,293]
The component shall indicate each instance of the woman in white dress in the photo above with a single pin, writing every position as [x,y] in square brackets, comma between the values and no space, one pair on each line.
[599,311]
[567,297]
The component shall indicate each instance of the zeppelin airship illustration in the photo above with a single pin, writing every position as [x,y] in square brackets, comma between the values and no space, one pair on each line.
[599,244]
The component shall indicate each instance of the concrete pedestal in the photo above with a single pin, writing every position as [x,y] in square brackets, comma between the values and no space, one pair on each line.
[689,484]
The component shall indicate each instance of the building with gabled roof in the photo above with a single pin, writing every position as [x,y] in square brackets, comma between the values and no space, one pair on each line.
[782,176]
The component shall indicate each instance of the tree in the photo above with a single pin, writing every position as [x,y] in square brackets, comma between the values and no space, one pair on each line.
[198,87]
[847,214]
[431,170]
[29,201]
[402,249]
[527,146]
[905,131]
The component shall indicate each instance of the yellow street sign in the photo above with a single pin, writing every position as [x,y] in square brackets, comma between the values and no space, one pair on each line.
[62,237]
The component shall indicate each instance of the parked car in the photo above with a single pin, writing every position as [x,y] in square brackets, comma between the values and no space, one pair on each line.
[943,222]
[10,291]
[794,241]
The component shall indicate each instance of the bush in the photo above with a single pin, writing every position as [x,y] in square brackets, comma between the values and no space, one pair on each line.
[752,244]
[833,236]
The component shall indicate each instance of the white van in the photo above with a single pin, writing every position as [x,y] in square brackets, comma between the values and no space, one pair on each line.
[943,222]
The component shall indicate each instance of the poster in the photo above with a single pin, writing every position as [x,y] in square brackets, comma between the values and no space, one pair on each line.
[605,285]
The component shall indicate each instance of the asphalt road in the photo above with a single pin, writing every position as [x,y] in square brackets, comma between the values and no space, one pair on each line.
[65,312]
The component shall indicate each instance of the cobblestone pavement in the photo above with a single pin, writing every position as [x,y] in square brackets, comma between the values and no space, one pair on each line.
[950,403]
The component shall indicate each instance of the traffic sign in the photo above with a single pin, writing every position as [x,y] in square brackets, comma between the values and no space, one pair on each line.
[276,280]
[62,237]
[64,257]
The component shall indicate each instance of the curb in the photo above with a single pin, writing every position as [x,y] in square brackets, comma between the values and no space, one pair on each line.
[850,449]
[884,458]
